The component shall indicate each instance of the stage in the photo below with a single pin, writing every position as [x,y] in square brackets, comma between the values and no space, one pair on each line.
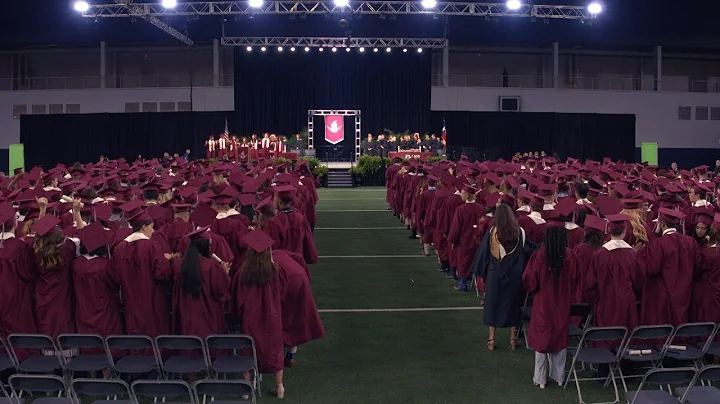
[337,164]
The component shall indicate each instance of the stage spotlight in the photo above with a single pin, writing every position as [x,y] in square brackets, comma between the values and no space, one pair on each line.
[334,49]
[419,50]
[513,4]
[280,49]
[595,8]
[429,3]
[169,3]
[307,49]
[341,3]
[362,49]
[375,50]
[263,49]
[404,50]
[347,49]
[249,48]
[321,49]
[255,3]
[388,49]
[81,6]
[292,49]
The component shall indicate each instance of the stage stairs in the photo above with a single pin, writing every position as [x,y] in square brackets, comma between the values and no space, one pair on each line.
[339,178]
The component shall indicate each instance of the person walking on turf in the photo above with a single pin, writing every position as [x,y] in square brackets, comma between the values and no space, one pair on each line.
[550,276]
[499,261]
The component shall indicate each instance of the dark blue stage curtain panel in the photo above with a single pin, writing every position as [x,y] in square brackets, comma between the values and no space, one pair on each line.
[274,90]
[52,139]
[502,134]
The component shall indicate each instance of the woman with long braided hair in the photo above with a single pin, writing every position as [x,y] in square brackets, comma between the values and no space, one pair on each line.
[550,276]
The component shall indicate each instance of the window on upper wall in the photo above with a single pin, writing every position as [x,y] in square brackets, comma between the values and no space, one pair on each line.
[184,106]
[55,109]
[167,107]
[132,107]
[701,113]
[715,113]
[39,109]
[72,108]
[19,110]
[684,112]
[149,106]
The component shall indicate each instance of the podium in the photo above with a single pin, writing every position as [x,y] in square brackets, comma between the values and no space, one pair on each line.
[243,154]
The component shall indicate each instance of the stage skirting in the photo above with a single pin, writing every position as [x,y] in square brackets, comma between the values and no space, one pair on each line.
[409,155]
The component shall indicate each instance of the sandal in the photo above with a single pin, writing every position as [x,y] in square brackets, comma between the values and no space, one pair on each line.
[513,343]
[491,344]
[278,391]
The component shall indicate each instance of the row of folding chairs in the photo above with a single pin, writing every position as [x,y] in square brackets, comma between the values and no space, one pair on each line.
[693,386]
[649,345]
[51,389]
[137,355]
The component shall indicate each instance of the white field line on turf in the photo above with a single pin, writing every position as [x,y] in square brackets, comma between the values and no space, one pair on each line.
[373,256]
[360,228]
[400,310]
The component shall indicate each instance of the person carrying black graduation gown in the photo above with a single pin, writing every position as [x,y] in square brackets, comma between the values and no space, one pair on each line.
[501,267]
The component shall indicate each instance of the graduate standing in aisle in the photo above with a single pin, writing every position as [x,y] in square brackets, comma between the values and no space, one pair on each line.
[290,229]
[143,272]
[171,234]
[614,278]
[550,276]
[706,283]
[500,261]
[464,236]
[256,304]
[595,229]
[669,262]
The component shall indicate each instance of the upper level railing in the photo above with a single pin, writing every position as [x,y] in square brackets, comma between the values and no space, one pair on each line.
[668,83]
[120,81]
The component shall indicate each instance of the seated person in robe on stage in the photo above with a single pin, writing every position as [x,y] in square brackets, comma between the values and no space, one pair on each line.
[368,145]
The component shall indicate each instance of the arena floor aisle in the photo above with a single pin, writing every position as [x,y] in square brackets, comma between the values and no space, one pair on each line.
[396,330]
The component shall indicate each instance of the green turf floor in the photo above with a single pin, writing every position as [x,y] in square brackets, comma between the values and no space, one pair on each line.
[400,357]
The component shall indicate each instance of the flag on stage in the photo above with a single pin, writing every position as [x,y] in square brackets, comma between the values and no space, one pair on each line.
[444,132]
[334,129]
[227,131]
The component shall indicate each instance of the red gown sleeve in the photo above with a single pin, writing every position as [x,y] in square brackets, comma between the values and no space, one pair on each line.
[219,283]
[455,226]
[530,276]
[309,251]
[161,265]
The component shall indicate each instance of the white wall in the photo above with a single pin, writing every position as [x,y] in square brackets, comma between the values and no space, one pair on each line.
[106,100]
[656,113]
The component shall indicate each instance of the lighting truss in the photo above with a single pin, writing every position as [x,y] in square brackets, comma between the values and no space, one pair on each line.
[317,42]
[222,8]
[137,10]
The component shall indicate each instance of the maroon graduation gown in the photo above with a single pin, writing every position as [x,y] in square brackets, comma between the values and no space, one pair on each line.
[439,239]
[706,287]
[668,263]
[425,226]
[17,274]
[465,235]
[445,221]
[534,231]
[291,231]
[143,272]
[174,231]
[259,311]
[611,281]
[97,306]
[584,254]
[54,294]
[389,183]
[204,315]
[218,246]
[232,228]
[548,332]
[160,215]
[300,318]
[575,236]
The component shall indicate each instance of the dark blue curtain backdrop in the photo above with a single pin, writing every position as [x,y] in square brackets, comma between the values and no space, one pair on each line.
[52,139]
[274,90]
[502,134]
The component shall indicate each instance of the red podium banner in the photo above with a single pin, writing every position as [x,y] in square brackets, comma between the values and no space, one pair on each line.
[243,154]
[334,129]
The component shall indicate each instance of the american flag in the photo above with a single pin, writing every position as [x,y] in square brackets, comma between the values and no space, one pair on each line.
[444,132]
